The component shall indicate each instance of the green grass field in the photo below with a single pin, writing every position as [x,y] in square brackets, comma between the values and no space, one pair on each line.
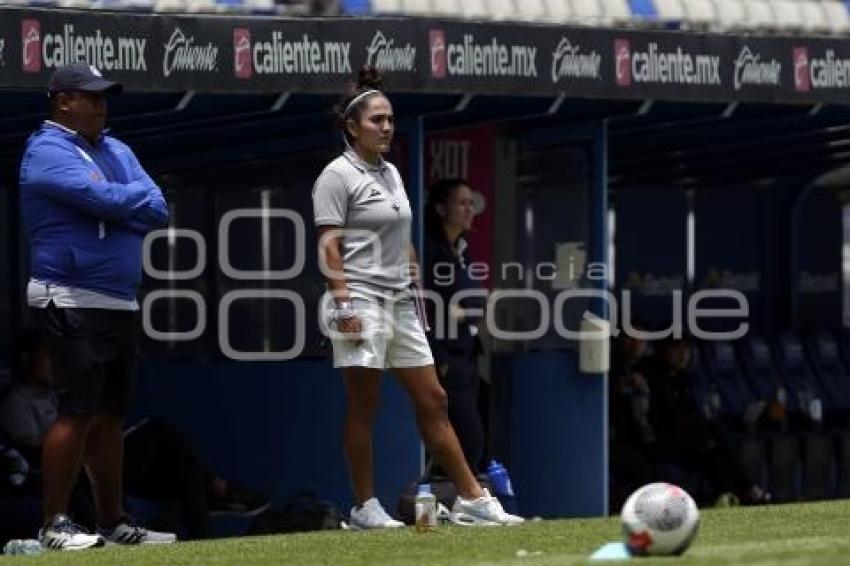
[815,533]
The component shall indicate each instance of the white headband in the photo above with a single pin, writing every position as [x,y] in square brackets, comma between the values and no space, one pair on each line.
[357,99]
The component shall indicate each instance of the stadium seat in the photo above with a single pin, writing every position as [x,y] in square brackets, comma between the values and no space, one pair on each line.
[224,6]
[474,9]
[356,7]
[416,7]
[788,15]
[73,4]
[209,6]
[837,16]
[386,6]
[740,405]
[761,370]
[814,19]
[760,15]
[559,11]
[501,9]
[450,8]
[586,12]
[813,16]
[670,11]
[700,13]
[829,370]
[804,392]
[617,13]
[170,6]
[267,7]
[532,10]
[731,14]
[643,9]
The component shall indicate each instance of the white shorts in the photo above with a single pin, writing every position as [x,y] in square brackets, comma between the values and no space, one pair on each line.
[392,337]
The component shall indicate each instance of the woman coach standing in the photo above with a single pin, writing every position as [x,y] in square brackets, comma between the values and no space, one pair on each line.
[448,217]
[363,219]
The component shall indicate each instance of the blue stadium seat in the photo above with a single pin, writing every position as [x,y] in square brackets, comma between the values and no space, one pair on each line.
[804,391]
[761,370]
[829,370]
[356,7]
[643,9]
[740,404]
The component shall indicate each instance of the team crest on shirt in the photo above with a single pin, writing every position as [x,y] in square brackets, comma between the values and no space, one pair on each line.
[375,193]
[95,175]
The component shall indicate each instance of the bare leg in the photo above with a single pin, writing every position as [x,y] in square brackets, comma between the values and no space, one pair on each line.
[62,459]
[105,466]
[431,405]
[363,388]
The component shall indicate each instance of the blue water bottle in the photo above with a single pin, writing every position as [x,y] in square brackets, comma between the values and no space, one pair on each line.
[500,482]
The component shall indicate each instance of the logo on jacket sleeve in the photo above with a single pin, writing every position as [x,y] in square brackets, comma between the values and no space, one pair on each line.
[31,46]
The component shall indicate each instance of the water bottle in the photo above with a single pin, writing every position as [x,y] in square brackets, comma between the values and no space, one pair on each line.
[26,546]
[425,508]
[500,482]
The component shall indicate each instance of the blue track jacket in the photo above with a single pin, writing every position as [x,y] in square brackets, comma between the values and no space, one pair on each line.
[87,210]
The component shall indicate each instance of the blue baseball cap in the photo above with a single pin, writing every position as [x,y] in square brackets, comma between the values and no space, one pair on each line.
[80,76]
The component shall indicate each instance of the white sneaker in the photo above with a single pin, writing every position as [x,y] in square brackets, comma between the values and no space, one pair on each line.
[372,516]
[482,512]
[128,532]
[62,534]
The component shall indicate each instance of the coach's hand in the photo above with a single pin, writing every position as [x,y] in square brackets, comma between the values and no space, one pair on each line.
[351,325]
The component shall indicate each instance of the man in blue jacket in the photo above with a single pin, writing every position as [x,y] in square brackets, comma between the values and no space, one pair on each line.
[87,205]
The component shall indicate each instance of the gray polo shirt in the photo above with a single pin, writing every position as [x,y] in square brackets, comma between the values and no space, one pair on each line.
[369,202]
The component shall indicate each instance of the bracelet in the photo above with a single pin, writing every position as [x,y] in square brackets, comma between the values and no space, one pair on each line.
[344,311]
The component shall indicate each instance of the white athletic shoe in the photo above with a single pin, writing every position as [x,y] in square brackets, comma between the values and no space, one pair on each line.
[372,516]
[62,534]
[128,532]
[482,512]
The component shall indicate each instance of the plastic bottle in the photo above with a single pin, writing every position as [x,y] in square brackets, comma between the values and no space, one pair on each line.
[500,482]
[23,546]
[425,508]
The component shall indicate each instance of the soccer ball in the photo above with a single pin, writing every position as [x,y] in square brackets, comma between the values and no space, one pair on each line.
[659,519]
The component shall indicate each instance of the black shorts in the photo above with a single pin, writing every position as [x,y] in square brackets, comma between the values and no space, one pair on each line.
[93,357]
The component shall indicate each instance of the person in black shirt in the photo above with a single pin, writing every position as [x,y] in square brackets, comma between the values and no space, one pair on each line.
[449,216]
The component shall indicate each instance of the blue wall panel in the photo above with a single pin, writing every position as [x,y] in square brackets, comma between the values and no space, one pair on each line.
[277,426]
[556,435]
